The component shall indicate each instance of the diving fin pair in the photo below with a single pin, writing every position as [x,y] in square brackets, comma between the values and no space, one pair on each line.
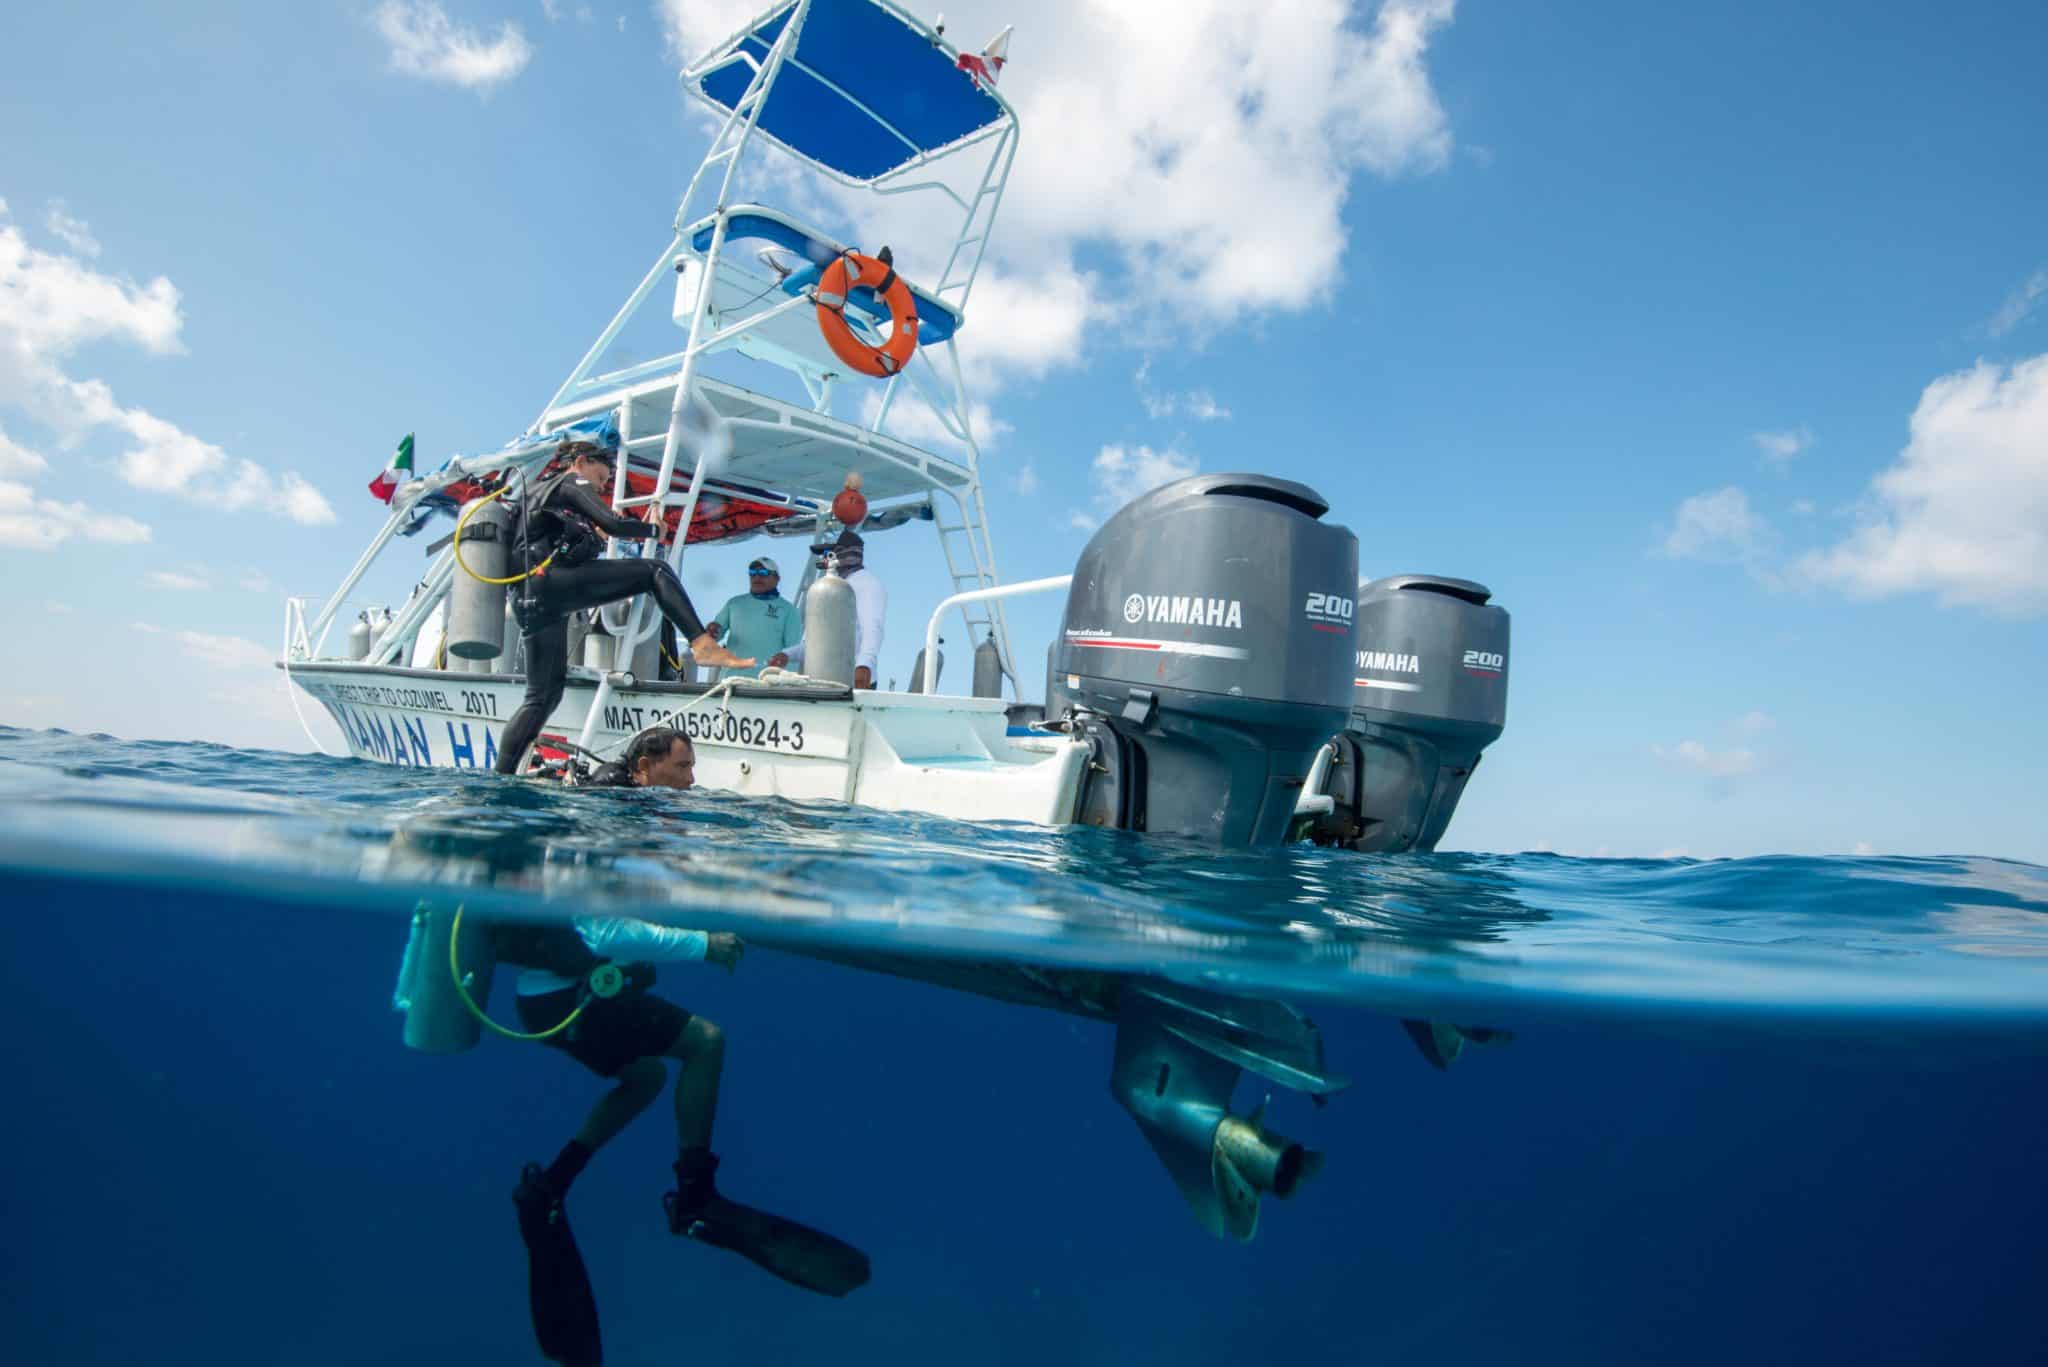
[798,1254]
[558,1286]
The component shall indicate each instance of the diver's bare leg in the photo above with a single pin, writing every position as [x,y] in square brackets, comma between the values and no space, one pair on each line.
[639,1083]
[701,1047]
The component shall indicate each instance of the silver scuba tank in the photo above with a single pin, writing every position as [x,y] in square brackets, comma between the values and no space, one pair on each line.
[917,671]
[988,668]
[359,637]
[829,626]
[476,610]
[436,1020]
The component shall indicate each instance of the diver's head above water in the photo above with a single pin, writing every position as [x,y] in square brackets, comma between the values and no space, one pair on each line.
[660,757]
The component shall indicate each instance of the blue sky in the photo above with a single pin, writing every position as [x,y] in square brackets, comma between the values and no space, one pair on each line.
[1713,338]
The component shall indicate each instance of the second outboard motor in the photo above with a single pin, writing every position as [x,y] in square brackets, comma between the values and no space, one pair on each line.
[1432,692]
[1206,651]
[476,610]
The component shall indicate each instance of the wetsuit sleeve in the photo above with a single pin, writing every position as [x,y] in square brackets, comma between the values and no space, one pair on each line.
[577,495]
[625,938]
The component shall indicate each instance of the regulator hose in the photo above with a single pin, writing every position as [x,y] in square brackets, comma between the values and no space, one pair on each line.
[463,521]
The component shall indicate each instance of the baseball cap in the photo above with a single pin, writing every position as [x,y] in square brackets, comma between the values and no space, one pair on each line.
[765,564]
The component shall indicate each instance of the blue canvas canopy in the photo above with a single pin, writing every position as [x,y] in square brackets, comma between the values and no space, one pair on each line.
[864,93]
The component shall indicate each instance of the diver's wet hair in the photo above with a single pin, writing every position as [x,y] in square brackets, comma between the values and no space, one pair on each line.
[652,744]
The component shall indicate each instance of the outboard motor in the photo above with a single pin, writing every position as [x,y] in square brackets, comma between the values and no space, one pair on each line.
[1206,654]
[1431,693]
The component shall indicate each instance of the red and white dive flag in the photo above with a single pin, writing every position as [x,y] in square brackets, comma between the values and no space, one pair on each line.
[396,473]
[989,64]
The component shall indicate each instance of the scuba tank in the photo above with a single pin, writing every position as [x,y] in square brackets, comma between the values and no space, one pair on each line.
[436,1021]
[988,668]
[359,637]
[917,671]
[829,627]
[476,609]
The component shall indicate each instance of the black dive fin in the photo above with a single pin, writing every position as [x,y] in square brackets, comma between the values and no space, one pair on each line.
[1440,1044]
[564,1308]
[796,1253]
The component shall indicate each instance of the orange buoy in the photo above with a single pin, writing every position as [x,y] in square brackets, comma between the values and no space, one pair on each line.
[851,270]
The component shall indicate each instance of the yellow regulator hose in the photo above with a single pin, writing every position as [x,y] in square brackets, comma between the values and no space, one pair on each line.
[463,521]
[455,972]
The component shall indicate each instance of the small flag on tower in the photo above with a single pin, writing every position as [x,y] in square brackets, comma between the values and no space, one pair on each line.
[988,65]
[396,473]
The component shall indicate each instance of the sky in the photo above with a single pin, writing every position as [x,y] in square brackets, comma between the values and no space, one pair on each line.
[1713,339]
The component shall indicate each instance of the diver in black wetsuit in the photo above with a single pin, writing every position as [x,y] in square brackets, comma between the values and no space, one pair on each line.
[563,519]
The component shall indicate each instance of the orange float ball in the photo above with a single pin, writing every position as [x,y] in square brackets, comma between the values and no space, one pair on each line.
[850,506]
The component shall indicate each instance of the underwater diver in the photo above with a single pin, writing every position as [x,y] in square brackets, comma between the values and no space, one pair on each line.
[627,1035]
[557,544]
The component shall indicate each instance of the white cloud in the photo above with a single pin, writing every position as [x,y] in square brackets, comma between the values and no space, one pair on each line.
[2019,304]
[225,652]
[915,421]
[174,579]
[425,42]
[1717,525]
[255,581]
[1198,404]
[1122,473]
[1803,507]
[1690,754]
[16,459]
[1863,847]
[1963,512]
[146,627]
[1080,521]
[72,232]
[1779,448]
[551,10]
[50,305]
[1754,723]
[1027,479]
[36,524]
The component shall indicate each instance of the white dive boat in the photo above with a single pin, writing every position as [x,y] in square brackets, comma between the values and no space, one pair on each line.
[1215,637]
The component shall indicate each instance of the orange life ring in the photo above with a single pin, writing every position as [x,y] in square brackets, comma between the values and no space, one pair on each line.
[875,273]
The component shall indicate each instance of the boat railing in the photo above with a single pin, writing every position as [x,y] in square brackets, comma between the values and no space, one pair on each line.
[930,682]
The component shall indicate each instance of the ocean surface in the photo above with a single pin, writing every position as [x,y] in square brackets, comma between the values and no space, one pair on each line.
[1762,1110]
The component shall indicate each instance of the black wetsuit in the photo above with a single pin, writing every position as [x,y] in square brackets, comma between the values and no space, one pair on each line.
[565,520]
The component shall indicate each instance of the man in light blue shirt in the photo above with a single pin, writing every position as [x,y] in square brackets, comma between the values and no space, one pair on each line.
[760,623]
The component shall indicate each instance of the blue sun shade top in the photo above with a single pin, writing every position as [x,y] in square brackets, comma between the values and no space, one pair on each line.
[852,53]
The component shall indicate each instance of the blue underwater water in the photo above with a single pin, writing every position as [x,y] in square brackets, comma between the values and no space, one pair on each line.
[1765,1110]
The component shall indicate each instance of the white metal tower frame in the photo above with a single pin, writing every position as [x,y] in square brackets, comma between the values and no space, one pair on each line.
[970,556]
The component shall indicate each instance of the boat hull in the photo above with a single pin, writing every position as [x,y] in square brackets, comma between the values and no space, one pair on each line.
[894,751]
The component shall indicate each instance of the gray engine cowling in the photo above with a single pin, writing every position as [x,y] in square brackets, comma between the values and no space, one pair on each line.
[1431,687]
[1206,656]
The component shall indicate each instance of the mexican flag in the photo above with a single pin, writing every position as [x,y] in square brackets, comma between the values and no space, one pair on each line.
[396,473]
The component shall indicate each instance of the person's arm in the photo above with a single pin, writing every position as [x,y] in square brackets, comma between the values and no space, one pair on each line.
[869,609]
[580,497]
[629,938]
[792,633]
